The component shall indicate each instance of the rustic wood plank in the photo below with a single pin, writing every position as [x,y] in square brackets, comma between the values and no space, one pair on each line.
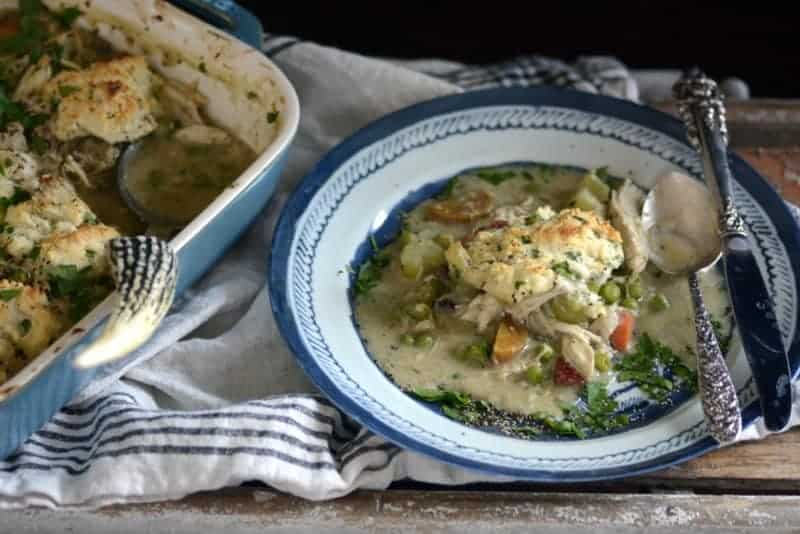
[780,165]
[252,510]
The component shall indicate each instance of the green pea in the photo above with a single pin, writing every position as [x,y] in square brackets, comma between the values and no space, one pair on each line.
[424,341]
[544,352]
[659,303]
[419,311]
[534,375]
[407,339]
[476,354]
[634,288]
[630,303]
[568,310]
[610,292]
[602,361]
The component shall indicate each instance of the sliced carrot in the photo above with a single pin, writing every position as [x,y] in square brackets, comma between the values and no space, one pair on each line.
[508,342]
[621,336]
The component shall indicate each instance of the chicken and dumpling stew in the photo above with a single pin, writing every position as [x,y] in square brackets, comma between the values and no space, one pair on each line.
[69,105]
[520,293]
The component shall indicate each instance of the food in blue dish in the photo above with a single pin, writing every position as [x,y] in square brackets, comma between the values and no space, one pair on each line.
[520,294]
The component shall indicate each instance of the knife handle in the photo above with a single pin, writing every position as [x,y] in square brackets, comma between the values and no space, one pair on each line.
[717,392]
[760,334]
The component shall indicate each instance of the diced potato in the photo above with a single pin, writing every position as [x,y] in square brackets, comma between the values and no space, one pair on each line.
[585,200]
[420,256]
[508,342]
[467,208]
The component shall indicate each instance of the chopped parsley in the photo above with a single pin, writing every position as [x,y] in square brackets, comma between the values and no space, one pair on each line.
[526,240]
[447,192]
[495,177]
[563,269]
[601,173]
[34,253]
[7,295]
[67,16]
[19,196]
[66,90]
[597,413]
[75,286]
[25,326]
[273,115]
[655,369]
[369,274]
[202,67]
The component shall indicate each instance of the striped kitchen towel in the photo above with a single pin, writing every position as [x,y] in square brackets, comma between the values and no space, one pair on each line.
[215,399]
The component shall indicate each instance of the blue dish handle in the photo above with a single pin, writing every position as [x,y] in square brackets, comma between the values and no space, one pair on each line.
[226,15]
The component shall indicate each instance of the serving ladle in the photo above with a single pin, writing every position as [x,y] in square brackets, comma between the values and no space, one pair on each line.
[148,214]
[680,220]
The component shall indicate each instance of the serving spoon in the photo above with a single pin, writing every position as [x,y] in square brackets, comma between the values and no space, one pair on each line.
[678,218]
[147,214]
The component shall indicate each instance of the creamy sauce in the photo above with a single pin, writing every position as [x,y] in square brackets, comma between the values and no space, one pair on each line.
[177,180]
[382,321]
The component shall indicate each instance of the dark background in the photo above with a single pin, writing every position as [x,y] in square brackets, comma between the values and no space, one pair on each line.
[761,48]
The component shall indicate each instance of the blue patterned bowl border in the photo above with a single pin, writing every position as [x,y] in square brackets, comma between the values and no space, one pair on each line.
[317,197]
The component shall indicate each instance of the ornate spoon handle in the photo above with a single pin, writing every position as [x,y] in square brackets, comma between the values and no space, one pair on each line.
[720,402]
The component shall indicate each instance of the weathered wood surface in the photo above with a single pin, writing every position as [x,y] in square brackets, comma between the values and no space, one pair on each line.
[251,510]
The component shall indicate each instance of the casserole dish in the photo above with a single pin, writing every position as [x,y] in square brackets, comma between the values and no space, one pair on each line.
[243,90]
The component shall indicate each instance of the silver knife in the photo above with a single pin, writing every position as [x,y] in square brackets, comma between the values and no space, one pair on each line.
[701,108]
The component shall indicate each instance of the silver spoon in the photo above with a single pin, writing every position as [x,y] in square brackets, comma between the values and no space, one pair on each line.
[679,219]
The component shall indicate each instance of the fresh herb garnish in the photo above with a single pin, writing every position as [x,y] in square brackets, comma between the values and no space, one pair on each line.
[66,90]
[19,196]
[11,111]
[75,286]
[495,177]
[7,295]
[34,253]
[369,274]
[447,192]
[67,16]
[601,172]
[455,405]
[273,115]
[563,269]
[598,415]
[648,363]
[25,326]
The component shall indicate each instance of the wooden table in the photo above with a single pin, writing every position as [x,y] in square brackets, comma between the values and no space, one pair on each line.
[753,486]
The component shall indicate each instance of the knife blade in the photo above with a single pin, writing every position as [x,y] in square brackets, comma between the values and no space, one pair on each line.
[700,106]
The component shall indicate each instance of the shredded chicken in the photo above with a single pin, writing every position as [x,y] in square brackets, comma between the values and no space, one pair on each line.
[624,208]
[481,310]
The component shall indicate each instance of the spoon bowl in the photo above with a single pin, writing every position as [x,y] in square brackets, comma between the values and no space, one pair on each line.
[681,223]
[148,214]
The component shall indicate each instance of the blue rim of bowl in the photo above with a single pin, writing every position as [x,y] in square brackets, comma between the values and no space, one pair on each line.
[785,224]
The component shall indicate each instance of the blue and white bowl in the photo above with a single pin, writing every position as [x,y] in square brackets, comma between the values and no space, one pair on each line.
[360,188]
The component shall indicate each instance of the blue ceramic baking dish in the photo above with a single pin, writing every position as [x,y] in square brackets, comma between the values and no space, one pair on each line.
[242,87]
